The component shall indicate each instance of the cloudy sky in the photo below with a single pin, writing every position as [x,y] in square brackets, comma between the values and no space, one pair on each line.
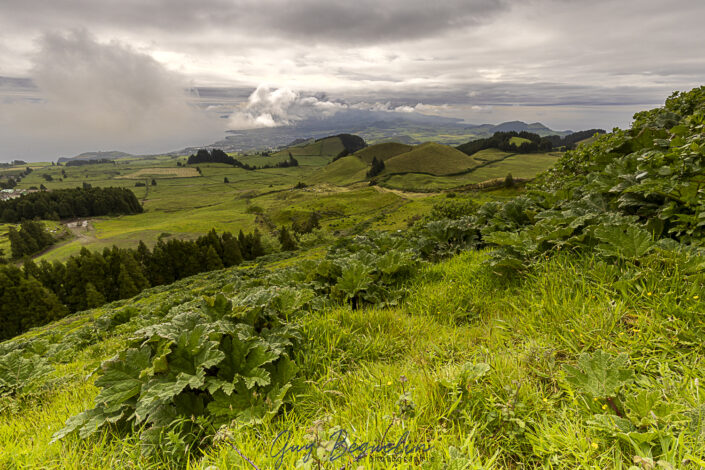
[150,76]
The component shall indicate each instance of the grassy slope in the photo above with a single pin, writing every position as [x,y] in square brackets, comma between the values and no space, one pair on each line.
[188,206]
[343,171]
[490,155]
[383,151]
[456,312]
[519,165]
[518,141]
[328,147]
[432,158]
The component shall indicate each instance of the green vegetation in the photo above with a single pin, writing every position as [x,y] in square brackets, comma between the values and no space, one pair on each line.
[344,171]
[92,278]
[69,203]
[520,166]
[383,151]
[329,147]
[432,158]
[30,239]
[555,326]
[517,141]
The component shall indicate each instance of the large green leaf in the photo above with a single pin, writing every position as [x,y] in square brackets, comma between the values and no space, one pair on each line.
[621,241]
[19,374]
[599,375]
[354,278]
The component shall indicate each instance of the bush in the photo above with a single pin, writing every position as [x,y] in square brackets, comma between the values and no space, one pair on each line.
[271,244]
[453,208]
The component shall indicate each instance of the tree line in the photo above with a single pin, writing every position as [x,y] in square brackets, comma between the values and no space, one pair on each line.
[569,141]
[30,239]
[12,181]
[502,141]
[218,156]
[89,162]
[536,143]
[44,292]
[70,203]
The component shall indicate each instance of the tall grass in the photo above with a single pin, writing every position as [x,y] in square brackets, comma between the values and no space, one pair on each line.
[393,370]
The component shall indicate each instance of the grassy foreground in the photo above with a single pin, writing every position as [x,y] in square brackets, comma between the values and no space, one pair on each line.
[420,367]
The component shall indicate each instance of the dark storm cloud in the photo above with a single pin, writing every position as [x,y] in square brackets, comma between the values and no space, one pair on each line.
[359,22]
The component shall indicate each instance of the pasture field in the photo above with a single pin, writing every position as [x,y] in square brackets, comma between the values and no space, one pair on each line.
[490,155]
[185,203]
[519,165]
[163,172]
[517,141]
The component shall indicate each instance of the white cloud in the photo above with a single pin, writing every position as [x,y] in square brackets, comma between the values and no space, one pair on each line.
[105,95]
[274,107]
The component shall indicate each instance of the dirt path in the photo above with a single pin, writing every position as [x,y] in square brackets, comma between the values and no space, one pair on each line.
[81,230]
[403,194]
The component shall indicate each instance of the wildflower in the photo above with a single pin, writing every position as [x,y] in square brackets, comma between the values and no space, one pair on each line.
[648,294]
[696,297]
[604,407]
[389,383]
[545,400]
[572,330]
[595,445]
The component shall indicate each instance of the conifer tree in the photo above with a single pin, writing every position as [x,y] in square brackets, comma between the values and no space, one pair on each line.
[213,261]
[287,241]
[509,181]
[245,245]
[17,244]
[25,303]
[126,286]
[257,249]
[376,169]
[93,297]
[231,250]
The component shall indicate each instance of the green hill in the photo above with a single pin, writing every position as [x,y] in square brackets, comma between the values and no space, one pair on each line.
[432,158]
[343,171]
[383,151]
[326,147]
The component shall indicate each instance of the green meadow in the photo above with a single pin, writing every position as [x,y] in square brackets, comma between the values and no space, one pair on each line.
[185,203]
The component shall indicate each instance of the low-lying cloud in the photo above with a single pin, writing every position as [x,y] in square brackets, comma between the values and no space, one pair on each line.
[275,107]
[91,95]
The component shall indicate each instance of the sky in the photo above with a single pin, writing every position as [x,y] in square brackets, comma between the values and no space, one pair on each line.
[147,77]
